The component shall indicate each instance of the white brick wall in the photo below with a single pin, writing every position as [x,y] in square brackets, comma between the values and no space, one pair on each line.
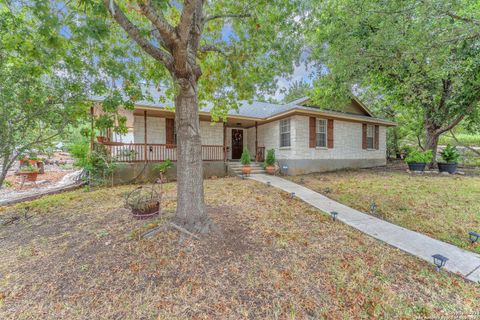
[347,138]
[155,130]
[347,141]
[211,133]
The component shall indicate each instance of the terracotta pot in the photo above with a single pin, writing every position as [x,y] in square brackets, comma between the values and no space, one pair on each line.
[102,139]
[148,212]
[270,169]
[246,169]
[30,175]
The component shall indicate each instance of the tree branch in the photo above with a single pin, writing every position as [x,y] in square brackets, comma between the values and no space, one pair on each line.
[464,19]
[166,31]
[451,125]
[134,34]
[228,15]
[464,145]
[186,19]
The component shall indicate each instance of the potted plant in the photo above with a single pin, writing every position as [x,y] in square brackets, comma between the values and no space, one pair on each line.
[29,171]
[30,159]
[144,202]
[270,161]
[417,160]
[245,160]
[450,155]
[103,123]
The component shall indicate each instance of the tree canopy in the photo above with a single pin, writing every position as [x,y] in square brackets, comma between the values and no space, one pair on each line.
[420,58]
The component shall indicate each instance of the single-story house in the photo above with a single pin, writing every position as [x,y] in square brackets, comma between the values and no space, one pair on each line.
[305,137]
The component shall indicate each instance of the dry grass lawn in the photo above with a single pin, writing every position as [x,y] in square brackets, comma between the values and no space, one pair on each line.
[443,207]
[77,255]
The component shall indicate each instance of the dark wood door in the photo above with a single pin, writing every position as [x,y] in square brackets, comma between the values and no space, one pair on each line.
[237,143]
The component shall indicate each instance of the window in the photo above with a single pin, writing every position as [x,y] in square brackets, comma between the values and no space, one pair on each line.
[285,133]
[370,137]
[321,140]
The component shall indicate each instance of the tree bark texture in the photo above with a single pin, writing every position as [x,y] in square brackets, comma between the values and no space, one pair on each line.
[190,212]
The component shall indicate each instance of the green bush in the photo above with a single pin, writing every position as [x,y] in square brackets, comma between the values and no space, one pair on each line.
[415,156]
[450,154]
[270,159]
[164,166]
[98,164]
[245,158]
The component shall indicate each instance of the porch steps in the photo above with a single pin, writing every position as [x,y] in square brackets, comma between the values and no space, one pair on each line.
[235,168]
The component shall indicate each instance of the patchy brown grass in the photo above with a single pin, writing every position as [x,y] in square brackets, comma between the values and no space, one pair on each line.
[78,256]
[443,207]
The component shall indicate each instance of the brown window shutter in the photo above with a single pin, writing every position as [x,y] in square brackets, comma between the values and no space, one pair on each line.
[330,133]
[364,136]
[377,134]
[313,132]
[169,131]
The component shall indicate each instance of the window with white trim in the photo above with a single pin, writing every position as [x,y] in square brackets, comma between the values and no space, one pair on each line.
[370,136]
[285,133]
[321,140]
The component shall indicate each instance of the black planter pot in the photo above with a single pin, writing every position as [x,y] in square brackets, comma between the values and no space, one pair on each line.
[447,167]
[417,166]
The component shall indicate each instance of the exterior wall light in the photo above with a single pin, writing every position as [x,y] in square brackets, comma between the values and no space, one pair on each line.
[439,261]
[474,236]
[373,208]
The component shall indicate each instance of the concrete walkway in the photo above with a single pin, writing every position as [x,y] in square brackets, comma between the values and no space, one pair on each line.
[460,261]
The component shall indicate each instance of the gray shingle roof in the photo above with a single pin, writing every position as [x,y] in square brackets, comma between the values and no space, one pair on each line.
[253,109]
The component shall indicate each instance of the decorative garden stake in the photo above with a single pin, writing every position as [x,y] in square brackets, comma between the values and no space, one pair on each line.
[474,236]
[373,208]
[292,195]
[439,261]
[334,215]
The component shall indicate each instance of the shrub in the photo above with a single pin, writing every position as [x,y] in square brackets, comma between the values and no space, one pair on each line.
[415,156]
[450,154]
[164,166]
[245,158]
[270,159]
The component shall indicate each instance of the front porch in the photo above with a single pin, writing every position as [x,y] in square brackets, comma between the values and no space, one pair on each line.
[140,152]
[154,139]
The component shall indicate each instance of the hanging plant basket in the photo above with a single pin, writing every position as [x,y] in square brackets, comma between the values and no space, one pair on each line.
[143,202]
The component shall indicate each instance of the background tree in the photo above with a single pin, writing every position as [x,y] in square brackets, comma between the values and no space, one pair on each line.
[422,57]
[40,92]
[298,89]
[218,52]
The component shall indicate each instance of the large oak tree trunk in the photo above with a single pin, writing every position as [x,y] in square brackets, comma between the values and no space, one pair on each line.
[191,212]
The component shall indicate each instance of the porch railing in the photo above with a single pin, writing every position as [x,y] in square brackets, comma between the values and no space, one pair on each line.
[139,152]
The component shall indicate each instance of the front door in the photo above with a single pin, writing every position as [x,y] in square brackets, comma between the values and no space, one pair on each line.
[237,143]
